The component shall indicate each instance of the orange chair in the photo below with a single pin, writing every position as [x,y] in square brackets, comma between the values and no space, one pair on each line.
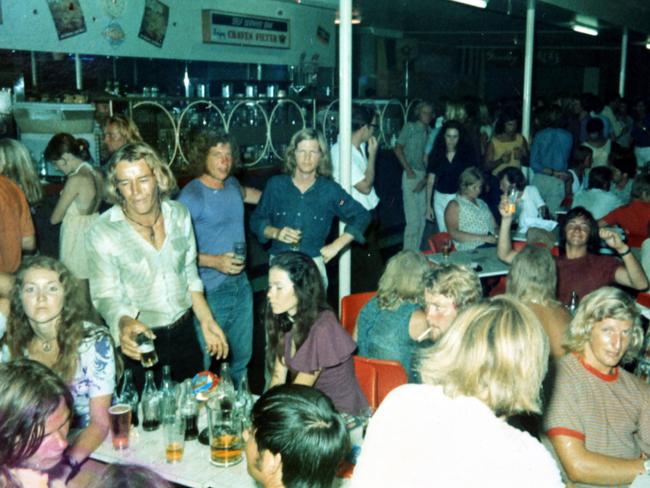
[437,239]
[351,305]
[377,377]
[643,299]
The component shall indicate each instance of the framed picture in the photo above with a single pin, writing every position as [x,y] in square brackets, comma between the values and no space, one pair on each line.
[154,22]
[68,17]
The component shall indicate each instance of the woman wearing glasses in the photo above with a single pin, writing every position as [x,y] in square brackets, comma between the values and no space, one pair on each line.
[296,209]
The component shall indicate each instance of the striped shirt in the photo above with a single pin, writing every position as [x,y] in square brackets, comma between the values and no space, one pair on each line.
[130,277]
[610,413]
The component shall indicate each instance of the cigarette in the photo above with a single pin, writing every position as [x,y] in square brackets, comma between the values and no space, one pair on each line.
[424,334]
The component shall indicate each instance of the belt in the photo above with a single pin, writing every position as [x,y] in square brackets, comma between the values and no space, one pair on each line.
[177,322]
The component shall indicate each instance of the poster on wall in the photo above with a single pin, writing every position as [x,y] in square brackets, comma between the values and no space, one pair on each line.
[154,22]
[245,30]
[68,18]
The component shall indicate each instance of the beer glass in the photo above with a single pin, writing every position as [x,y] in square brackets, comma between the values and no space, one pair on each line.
[513,194]
[174,436]
[239,250]
[147,350]
[296,245]
[120,417]
[225,426]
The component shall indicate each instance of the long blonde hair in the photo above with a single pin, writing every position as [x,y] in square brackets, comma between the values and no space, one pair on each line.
[533,275]
[16,164]
[496,351]
[403,280]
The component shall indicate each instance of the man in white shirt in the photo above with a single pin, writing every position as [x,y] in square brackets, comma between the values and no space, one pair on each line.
[143,273]
[364,156]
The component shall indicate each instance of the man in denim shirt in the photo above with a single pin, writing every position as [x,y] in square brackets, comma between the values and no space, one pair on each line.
[296,209]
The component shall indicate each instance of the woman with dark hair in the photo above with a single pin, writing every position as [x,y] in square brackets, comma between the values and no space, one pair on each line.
[35,408]
[508,147]
[79,202]
[46,324]
[581,269]
[297,209]
[450,156]
[306,343]
[529,203]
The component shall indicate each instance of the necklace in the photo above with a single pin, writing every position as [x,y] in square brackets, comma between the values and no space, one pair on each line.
[149,228]
[46,344]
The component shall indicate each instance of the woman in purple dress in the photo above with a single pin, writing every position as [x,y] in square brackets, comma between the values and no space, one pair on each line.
[306,343]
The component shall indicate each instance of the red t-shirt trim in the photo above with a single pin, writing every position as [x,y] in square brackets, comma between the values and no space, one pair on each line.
[595,372]
[557,431]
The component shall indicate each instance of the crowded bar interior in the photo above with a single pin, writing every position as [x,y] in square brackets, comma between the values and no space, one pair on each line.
[318,243]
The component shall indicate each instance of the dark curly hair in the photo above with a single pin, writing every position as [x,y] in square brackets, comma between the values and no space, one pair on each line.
[310,292]
[206,139]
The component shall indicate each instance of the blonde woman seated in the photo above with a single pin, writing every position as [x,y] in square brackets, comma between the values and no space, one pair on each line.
[468,218]
[533,280]
[392,322]
[46,325]
[450,431]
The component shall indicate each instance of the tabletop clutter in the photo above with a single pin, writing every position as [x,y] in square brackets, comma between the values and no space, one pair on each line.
[175,409]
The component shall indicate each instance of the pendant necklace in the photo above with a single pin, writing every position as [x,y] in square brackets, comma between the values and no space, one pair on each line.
[149,228]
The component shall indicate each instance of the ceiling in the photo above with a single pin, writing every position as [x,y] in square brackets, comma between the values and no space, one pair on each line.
[502,23]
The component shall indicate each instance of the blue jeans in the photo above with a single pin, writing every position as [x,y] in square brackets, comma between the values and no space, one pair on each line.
[231,304]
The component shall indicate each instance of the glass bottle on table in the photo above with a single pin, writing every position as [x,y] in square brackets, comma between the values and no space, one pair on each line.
[129,395]
[167,394]
[150,404]
[244,402]
[189,409]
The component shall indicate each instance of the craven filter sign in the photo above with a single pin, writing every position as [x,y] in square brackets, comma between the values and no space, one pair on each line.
[245,30]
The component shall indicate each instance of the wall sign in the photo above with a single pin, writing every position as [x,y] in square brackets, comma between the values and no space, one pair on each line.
[245,30]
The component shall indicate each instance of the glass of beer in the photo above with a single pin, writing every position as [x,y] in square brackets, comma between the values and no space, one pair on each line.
[225,436]
[513,194]
[147,350]
[120,416]
[174,436]
[296,245]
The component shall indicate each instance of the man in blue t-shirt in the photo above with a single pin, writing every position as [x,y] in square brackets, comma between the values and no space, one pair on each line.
[216,200]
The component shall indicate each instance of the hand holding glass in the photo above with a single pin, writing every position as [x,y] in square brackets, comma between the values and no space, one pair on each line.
[239,250]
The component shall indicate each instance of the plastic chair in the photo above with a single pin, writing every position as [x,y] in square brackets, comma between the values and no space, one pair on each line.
[437,239]
[351,305]
[643,299]
[378,377]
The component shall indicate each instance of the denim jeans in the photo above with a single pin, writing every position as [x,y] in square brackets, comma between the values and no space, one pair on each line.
[231,304]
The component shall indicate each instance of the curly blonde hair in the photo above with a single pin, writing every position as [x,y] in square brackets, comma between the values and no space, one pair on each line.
[604,303]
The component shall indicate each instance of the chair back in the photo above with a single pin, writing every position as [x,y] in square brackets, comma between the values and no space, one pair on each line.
[351,305]
[377,377]
[437,239]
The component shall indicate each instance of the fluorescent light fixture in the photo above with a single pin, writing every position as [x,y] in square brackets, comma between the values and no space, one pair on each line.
[473,3]
[585,25]
[647,42]
[583,29]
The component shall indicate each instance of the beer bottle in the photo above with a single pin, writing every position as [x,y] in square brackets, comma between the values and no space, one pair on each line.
[244,401]
[573,304]
[150,403]
[167,394]
[129,395]
[189,409]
